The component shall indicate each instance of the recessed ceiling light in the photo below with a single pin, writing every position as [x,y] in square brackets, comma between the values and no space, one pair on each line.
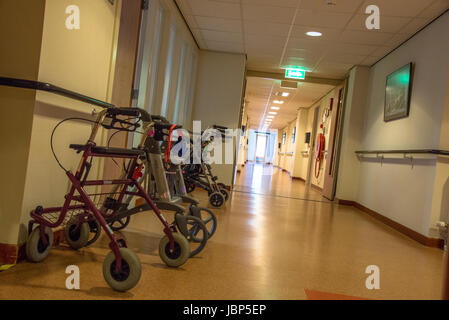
[268,120]
[275,108]
[270,116]
[272,112]
[314,34]
[278,102]
[285,94]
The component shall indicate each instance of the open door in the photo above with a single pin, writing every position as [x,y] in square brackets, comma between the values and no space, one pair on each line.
[330,175]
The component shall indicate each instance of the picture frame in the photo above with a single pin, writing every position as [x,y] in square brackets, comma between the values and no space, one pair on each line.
[398,91]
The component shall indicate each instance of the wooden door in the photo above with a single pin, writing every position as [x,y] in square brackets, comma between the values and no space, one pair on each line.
[332,149]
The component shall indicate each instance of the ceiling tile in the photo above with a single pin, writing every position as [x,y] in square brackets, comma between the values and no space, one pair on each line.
[345,58]
[266,28]
[312,18]
[398,8]
[369,61]
[344,48]
[222,36]
[434,10]
[381,51]
[218,24]
[215,9]
[365,37]
[224,46]
[387,24]
[414,26]
[278,3]
[341,6]
[268,14]
[191,21]
[327,33]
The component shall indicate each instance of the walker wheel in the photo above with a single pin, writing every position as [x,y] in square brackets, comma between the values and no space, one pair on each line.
[179,255]
[36,251]
[129,275]
[120,224]
[216,199]
[76,233]
[190,187]
[197,235]
[95,230]
[208,217]
[225,193]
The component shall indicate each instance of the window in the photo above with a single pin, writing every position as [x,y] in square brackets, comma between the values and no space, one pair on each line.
[294,135]
[180,93]
[168,70]
[284,137]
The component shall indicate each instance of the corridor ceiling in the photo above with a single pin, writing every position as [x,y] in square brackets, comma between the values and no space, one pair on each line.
[273,32]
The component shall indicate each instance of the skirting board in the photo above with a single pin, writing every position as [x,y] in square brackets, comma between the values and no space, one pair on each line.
[430,242]
[317,188]
[14,253]
[299,178]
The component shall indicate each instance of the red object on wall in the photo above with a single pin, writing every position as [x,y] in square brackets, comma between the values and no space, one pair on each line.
[332,104]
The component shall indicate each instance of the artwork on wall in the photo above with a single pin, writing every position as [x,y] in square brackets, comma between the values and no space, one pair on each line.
[397,93]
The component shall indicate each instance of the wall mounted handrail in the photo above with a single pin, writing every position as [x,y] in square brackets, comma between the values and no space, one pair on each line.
[42,86]
[412,151]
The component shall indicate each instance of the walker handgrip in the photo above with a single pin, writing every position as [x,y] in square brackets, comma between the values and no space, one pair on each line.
[132,112]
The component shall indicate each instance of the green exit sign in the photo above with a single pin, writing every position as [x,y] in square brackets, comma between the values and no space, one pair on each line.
[294,73]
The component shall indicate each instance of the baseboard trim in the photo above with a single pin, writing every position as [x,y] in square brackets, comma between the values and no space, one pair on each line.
[316,187]
[15,253]
[430,242]
[299,178]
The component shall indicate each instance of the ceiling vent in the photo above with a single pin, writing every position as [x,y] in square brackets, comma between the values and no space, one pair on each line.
[289,85]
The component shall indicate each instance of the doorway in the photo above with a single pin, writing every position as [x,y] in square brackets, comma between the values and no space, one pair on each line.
[261,147]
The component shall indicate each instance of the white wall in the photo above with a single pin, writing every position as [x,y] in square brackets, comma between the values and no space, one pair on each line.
[80,61]
[218,96]
[396,189]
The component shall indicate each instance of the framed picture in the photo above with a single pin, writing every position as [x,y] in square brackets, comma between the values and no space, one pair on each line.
[397,93]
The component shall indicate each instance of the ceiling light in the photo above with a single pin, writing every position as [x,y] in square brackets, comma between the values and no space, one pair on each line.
[272,112]
[285,94]
[268,120]
[275,108]
[278,102]
[270,116]
[314,34]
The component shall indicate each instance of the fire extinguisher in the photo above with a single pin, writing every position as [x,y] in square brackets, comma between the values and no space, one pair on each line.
[319,153]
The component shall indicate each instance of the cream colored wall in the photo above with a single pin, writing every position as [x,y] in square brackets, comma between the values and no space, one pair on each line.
[287,160]
[218,96]
[79,60]
[19,57]
[396,189]
[353,121]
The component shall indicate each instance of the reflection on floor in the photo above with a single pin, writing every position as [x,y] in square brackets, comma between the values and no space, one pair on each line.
[266,247]
[269,180]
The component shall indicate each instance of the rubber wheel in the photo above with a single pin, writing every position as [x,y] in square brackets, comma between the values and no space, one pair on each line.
[95,231]
[197,233]
[121,224]
[180,253]
[36,251]
[190,187]
[217,199]
[128,276]
[209,219]
[225,193]
[77,235]
[221,185]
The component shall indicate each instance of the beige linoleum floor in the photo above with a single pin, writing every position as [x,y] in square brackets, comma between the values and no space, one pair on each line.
[266,247]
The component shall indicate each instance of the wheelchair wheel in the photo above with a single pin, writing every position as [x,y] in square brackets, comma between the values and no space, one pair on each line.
[179,255]
[95,231]
[208,217]
[76,233]
[36,251]
[225,193]
[121,224]
[128,276]
[197,235]
[216,199]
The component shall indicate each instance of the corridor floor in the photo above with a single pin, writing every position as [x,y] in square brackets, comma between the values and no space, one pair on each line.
[266,247]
